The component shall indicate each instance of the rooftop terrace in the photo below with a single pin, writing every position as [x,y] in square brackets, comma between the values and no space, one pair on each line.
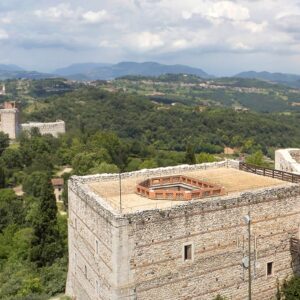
[232,180]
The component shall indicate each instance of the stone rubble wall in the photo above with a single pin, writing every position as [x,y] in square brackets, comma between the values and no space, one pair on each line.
[220,240]
[53,128]
[157,171]
[140,255]
[10,123]
[295,154]
[288,160]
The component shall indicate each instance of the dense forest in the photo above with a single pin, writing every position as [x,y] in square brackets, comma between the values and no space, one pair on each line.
[106,132]
[135,118]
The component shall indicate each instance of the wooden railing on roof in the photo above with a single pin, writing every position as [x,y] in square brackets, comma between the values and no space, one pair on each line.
[281,175]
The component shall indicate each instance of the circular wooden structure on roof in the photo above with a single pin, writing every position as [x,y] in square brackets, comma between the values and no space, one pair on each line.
[177,188]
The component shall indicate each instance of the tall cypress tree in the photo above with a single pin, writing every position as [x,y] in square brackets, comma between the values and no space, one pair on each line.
[190,157]
[46,243]
[2,178]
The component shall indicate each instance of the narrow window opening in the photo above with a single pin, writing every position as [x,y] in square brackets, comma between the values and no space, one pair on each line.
[97,287]
[75,261]
[85,271]
[75,223]
[97,247]
[269,268]
[187,252]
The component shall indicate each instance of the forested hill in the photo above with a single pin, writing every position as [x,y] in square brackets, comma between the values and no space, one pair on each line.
[254,94]
[165,126]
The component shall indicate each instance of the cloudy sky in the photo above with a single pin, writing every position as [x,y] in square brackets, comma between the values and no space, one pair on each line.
[222,37]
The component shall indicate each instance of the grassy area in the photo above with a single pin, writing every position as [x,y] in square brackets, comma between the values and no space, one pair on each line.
[14,145]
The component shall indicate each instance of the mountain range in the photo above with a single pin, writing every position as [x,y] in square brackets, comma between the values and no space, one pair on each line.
[106,72]
[102,71]
[291,80]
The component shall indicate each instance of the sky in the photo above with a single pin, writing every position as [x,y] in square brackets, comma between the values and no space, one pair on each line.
[221,37]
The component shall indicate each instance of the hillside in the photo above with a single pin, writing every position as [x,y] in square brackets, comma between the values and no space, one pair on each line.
[20,74]
[168,127]
[237,93]
[15,68]
[291,80]
[107,132]
[82,68]
[107,72]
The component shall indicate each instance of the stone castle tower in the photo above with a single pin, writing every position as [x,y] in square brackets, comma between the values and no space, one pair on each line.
[9,116]
[3,90]
[10,123]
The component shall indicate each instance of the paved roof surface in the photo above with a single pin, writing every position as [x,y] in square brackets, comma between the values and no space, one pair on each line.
[233,180]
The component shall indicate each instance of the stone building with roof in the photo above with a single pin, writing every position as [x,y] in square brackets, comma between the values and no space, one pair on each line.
[179,233]
[58,188]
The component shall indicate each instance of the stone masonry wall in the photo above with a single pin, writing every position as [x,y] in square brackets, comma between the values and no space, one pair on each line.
[295,154]
[140,255]
[219,236]
[54,128]
[288,160]
[9,122]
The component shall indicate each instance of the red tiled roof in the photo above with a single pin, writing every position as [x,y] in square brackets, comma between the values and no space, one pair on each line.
[57,181]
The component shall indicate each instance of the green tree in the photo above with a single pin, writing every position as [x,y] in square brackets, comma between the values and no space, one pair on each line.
[46,245]
[290,289]
[205,157]
[11,209]
[256,158]
[148,164]
[33,184]
[12,159]
[104,167]
[2,178]
[4,142]
[190,157]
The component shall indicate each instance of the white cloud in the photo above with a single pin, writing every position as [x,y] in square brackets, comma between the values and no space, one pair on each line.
[95,16]
[6,20]
[152,29]
[145,41]
[255,27]
[3,34]
[218,10]
[228,10]
[180,44]
[64,12]
[56,12]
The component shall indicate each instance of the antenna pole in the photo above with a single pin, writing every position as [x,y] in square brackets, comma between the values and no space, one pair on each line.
[120,187]
[249,250]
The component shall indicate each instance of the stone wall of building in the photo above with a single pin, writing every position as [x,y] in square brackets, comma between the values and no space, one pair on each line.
[53,128]
[9,122]
[140,255]
[288,160]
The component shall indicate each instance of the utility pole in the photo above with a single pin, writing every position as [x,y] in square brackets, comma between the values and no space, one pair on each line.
[249,253]
[120,189]
[247,220]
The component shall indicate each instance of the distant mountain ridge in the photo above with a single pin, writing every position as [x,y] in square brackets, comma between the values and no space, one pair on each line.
[5,74]
[81,68]
[10,68]
[291,80]
[106,72]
